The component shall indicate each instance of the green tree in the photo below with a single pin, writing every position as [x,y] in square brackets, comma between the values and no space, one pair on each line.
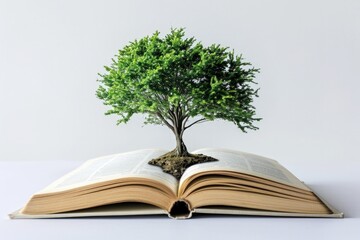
[178,82]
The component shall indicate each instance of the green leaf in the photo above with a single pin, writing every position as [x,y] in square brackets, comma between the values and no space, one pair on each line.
[174,74]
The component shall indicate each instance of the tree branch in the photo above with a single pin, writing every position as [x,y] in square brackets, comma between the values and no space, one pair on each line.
[172,116]
[186,118]
[160,98]
[197,121]
[164,121]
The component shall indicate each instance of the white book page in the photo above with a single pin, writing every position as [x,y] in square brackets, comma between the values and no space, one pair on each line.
[230,160]
[130,164]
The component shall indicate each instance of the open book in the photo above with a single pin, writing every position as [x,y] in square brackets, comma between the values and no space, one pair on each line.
[125,184]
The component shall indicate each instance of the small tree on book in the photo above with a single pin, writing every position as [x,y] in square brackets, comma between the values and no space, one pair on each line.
[178,82]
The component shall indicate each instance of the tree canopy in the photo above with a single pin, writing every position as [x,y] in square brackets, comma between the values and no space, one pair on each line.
[178,82]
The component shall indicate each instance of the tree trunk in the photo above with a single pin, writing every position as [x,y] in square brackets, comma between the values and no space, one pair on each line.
[180,149]
[177,127]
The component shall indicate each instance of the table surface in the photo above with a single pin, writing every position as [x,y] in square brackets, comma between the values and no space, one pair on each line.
[338,184]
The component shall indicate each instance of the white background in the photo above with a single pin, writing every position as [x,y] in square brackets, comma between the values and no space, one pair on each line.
[308,52]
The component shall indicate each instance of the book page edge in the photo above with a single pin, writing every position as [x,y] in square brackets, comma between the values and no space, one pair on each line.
[248,212]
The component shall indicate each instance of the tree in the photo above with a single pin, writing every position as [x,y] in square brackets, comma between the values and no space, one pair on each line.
[178,82]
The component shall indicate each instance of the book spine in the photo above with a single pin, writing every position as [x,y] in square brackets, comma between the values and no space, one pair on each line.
[180,209]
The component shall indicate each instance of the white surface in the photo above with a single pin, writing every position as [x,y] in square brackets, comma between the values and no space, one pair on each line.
[18,180]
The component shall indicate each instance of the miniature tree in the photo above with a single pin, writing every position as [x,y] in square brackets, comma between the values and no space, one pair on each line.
[178,82]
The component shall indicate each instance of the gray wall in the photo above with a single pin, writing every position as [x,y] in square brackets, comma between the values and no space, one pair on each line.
[51,52]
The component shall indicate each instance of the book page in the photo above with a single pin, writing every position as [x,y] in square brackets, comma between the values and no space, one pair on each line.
[230,160]
[130,164]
